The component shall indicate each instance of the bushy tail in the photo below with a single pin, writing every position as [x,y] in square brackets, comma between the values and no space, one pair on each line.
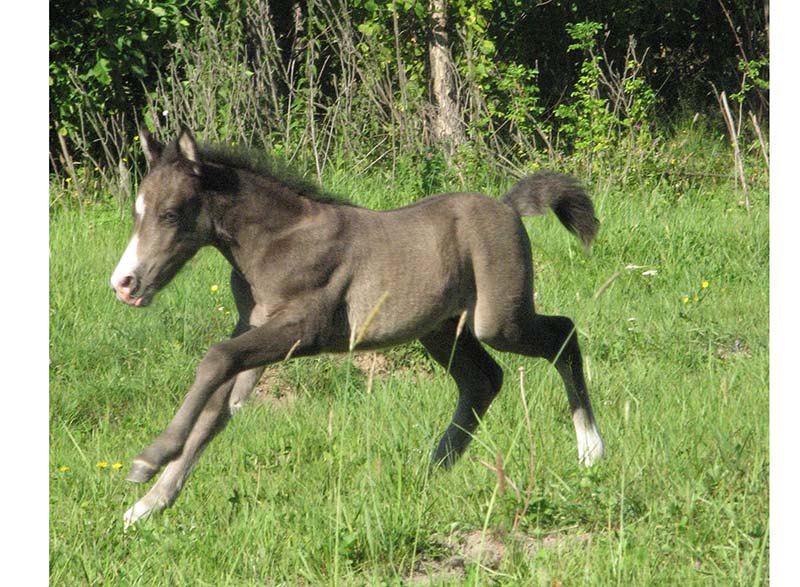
[535,194]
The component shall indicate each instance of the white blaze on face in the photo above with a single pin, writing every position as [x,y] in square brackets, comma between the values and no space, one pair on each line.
[130,259]
[127,263]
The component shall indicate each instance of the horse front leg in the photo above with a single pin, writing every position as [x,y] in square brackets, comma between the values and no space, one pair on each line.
[217,412]
[149,461]
[256,348]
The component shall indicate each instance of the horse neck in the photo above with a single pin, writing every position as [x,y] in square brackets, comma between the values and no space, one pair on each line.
[254,209]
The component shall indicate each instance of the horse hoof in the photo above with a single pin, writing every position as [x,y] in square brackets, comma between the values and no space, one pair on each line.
[139,511]
[589,454]
[141,472]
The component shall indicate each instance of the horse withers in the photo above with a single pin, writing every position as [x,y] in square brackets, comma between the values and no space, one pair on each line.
[310,271]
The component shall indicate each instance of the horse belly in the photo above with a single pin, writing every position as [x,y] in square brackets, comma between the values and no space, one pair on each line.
[405,302]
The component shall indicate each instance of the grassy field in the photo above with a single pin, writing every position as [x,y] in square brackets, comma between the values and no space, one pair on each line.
[328,485]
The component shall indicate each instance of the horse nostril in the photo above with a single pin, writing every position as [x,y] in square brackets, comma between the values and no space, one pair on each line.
[126,283]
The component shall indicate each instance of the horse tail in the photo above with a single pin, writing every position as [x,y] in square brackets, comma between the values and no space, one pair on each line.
[535,194]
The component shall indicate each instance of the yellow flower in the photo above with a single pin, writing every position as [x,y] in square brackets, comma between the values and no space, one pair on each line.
[102,464]
[135,137]
[116,466]
[685,299]
[63,468]
[704,284]
[214,288]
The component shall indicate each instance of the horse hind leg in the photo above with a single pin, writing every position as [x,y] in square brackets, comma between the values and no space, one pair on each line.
[479,379]
[555,339]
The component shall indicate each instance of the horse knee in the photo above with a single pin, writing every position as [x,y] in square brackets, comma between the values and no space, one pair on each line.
[218,361]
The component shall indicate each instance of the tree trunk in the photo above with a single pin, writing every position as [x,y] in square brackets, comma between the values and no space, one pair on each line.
[447,124]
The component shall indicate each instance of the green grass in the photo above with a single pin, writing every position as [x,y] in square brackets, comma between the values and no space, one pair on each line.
[333,488]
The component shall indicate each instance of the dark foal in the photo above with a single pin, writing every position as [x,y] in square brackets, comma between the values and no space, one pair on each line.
[308,271]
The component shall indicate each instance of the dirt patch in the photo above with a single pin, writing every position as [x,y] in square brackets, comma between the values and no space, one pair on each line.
[486,549]
[273,390]
[553,540]
[736,348]
[376,364]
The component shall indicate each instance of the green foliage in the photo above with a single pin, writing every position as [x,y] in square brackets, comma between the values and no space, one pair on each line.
[104,54]
[596,126]
[512,97]
[752,77]
[209,71]
[583,35]
[518,84]
[587,119]
[324,86]
[642,97]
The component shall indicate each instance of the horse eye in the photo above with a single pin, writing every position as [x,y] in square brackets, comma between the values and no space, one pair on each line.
[170,217]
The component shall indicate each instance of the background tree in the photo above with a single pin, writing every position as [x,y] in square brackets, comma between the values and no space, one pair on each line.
[447,120]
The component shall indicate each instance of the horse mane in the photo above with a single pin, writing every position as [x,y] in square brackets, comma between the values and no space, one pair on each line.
[263,165]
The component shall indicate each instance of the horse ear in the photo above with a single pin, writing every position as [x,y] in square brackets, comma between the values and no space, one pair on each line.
[187,147]
[151,147]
